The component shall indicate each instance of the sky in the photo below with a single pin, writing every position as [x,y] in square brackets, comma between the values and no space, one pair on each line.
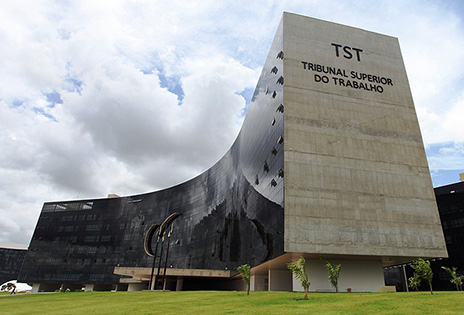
[127,97]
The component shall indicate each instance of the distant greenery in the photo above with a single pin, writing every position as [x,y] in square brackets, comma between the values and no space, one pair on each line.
[10,286]
[231,302]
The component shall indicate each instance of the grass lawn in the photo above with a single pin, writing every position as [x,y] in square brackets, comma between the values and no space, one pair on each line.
[230,302]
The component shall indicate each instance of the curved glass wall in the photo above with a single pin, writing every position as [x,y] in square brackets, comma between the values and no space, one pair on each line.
[231,214]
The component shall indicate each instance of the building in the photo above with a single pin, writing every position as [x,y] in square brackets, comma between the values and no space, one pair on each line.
[450,201]
[10,263]
[329,164]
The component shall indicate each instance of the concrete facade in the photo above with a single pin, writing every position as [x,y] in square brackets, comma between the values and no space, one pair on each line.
[356,176]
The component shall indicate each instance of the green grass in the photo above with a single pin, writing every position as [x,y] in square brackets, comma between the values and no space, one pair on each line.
[226,302]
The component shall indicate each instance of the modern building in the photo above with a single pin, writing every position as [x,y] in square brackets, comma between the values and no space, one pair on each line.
[10,263]
[329,165]
[450,201]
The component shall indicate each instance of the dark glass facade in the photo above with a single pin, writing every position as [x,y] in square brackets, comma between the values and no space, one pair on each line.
[11,261]
[450,201]
[231,214]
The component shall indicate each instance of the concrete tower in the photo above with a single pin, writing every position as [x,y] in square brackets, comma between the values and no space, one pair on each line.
[357,187]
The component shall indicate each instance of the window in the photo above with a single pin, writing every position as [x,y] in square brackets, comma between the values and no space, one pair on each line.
[280,55]
[61,207]
[48,208]
[93,227]
[87,205]
[449,239]
[266,167]
[89,238]
[274,70]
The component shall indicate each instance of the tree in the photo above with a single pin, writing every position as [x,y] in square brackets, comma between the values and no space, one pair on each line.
[245,272]
[423,270]
[414,281]
[9,286]
[456,279]
[334,275]
[298,268]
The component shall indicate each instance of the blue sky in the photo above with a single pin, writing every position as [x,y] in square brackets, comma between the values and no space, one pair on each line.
[126,97]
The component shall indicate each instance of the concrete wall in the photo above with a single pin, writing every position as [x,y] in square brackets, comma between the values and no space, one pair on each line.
[259,283]
[137,286]
[356,176]
[280,280]
[358,275]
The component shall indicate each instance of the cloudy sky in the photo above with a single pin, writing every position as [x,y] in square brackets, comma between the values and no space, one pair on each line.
[126,97]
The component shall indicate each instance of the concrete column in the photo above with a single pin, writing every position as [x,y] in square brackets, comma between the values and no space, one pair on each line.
[35,287]
[179,283]
[252,283]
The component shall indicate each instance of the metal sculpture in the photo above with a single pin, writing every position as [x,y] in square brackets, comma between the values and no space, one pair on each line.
[158,232]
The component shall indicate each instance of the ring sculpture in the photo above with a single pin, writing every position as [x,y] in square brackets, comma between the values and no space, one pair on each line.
[158,231]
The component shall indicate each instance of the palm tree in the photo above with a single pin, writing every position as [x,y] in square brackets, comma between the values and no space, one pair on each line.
[456,279]
[423,270]
[334,275]
[298,268]
[414,281]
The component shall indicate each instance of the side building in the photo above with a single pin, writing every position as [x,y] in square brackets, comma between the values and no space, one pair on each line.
[329,165]
[11,260]
[450,201]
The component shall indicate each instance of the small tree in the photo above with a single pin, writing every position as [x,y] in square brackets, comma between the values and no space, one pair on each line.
[245,272]
[334,275]
[414,282]
[9,286]
[298,268]
[456,279]
[423,270]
